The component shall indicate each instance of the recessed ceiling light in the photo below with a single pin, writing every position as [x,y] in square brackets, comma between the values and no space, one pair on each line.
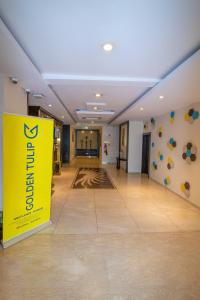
[98,95]
[141,108]
[95,108]
[107,47]
[50,105]
[161,97]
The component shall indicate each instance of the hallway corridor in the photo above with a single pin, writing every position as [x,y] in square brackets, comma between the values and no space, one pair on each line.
[138,241]
[100,150]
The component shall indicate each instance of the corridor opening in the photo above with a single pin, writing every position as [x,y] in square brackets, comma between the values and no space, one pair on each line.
[87,143]
[146,153]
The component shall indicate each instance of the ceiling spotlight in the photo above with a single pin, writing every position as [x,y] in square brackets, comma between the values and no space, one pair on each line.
[50,105]
[95,108]
[108,47]
[98,95]
[161,97]
[141,108]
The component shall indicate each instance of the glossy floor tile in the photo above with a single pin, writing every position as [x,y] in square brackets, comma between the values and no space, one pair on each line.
[138,242]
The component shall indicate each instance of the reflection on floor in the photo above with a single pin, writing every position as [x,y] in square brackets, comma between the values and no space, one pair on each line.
[139,241]
[83,162]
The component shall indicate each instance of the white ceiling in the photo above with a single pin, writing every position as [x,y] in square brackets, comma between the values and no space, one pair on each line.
[180,88]
[64,40]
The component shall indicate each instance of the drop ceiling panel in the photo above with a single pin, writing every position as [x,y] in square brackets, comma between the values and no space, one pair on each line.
[116,98]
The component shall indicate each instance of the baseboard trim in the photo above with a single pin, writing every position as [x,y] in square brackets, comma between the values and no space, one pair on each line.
[175,193]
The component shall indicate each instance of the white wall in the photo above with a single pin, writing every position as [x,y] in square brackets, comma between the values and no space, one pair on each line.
[135,147]
[2,91]
[183,132]
[110,135]
[12,100]
[15,100]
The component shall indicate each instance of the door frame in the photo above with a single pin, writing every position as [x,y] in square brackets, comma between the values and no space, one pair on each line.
[149,154]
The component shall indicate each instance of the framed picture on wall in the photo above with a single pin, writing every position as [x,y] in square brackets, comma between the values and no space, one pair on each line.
[123,136]
[123,144]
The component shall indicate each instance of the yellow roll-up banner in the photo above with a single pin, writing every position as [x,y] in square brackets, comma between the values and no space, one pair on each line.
[27,174]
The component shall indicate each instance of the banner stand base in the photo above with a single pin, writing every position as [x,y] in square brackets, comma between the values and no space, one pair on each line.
[25,235]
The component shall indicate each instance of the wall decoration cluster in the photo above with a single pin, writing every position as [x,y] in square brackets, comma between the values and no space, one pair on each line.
[171,144]
[175,150]
[191,115]
[170,163]
[189,152]
[172,117]
[185,188]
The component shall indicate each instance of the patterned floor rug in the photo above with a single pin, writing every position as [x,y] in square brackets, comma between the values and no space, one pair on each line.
[92,178]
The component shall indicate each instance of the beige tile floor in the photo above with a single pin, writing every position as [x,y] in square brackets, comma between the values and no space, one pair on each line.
[137,242]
